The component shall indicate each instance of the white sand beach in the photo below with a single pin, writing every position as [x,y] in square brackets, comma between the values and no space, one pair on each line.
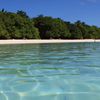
[33,41]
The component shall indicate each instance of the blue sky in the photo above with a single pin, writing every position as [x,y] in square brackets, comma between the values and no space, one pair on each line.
[69,10]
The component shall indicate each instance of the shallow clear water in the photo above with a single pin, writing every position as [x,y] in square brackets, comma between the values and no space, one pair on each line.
[69,71]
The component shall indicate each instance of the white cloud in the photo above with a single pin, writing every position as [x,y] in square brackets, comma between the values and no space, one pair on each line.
[92,1]
[84,2]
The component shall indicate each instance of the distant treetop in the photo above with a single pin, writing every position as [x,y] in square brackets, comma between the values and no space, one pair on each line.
[20,26]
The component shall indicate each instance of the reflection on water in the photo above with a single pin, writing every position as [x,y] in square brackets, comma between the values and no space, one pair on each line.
[50,72]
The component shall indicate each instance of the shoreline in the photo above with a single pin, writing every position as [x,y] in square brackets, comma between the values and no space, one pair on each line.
[35,41]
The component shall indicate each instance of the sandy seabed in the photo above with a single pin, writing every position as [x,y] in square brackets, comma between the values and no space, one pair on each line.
[34,41]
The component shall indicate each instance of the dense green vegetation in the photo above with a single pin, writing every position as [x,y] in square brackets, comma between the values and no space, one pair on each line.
[20,26]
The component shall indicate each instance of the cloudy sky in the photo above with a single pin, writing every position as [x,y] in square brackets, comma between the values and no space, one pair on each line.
[69,10]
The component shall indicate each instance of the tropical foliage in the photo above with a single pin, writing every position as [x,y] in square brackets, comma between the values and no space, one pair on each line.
[20,26]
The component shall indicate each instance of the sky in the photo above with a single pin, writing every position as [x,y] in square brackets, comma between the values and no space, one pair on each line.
[87,11]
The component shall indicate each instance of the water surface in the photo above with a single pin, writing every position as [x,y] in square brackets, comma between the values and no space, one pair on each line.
[69,71]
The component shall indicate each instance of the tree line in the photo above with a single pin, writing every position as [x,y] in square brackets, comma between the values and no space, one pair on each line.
[20,26]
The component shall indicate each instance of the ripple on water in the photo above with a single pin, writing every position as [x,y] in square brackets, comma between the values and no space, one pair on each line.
[3,96]
[50,72]
[24,85]
[12,96]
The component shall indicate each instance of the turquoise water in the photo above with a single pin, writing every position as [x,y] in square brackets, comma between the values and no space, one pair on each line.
[69,71]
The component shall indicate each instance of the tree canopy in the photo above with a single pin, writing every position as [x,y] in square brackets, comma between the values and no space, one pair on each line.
[17,26]
[20,26]
[51,27]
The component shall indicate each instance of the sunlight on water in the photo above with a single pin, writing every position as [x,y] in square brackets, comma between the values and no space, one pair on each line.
[69,71]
